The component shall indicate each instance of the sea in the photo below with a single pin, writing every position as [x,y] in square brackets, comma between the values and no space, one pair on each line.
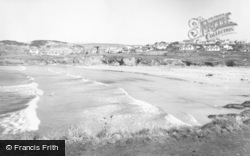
[19,95]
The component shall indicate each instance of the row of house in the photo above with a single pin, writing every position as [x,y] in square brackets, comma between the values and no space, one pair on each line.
[213,47]
[189,47]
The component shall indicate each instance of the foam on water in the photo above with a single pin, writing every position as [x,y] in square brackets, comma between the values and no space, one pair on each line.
[128,114]
[125,113]
[25,119]
[26,89]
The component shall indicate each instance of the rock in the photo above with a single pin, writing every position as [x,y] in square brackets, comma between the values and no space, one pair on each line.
[75,61]
[93,60]
[210,75]
[245,113]
[10,61]
[173,62]
[211,116]
[223,116]
[115,64]
[119,60]
[129,62]
[247,122]
[246,104]
[235,106]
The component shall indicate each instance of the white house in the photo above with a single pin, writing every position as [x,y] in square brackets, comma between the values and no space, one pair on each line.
[228,47]
[58,51]
[212,48]
[187,47]
[53,53]
[113,49]
[34,51]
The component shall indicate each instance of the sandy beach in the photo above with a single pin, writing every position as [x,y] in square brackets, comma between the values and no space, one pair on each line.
[131,98]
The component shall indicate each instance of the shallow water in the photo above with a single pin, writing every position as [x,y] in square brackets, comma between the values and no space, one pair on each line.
[18,98]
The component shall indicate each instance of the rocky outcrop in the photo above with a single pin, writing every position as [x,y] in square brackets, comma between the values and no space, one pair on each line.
[11,62]
[246,104]
[235,106]
[93,60]
[172,62]
[238,106]
[129,61]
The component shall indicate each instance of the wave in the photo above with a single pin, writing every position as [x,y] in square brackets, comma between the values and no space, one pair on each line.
[26,119]
[122,112]
[26,89]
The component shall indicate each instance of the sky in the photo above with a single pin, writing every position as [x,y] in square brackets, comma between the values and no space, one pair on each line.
[114,21]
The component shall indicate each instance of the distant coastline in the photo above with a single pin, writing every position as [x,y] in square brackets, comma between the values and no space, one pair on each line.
[43,52]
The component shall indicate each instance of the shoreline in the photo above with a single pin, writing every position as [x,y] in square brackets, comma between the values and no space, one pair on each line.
[168,72]
[199,138]
[26,118]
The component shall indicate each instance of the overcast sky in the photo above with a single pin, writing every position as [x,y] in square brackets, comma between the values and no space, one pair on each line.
[114,21]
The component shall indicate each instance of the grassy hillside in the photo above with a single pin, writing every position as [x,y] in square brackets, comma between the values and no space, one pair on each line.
[10,42]
[189,57]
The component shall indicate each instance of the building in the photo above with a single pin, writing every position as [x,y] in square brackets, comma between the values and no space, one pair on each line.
[113,49]
[160,45]
[34,51]
[53,53]
[187,47]
[227,47]
[212,48]
[58,51]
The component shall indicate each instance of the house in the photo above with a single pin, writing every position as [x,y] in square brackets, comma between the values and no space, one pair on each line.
[58,51]
[212,48]
[102,50]
[77,49]
[34,51]
[125,50]
[53,53]
[227,47]
[160,45]
[211,41]
[113,49]
[246,48]
[94,50]
[187,47]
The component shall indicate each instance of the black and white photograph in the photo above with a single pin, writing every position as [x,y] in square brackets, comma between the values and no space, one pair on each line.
[125,77]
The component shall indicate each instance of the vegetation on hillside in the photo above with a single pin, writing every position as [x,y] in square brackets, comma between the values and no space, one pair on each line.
[157,141]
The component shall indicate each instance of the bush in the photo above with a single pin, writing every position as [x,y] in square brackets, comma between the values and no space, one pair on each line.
[188,63]
[209,64]
[230,63]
